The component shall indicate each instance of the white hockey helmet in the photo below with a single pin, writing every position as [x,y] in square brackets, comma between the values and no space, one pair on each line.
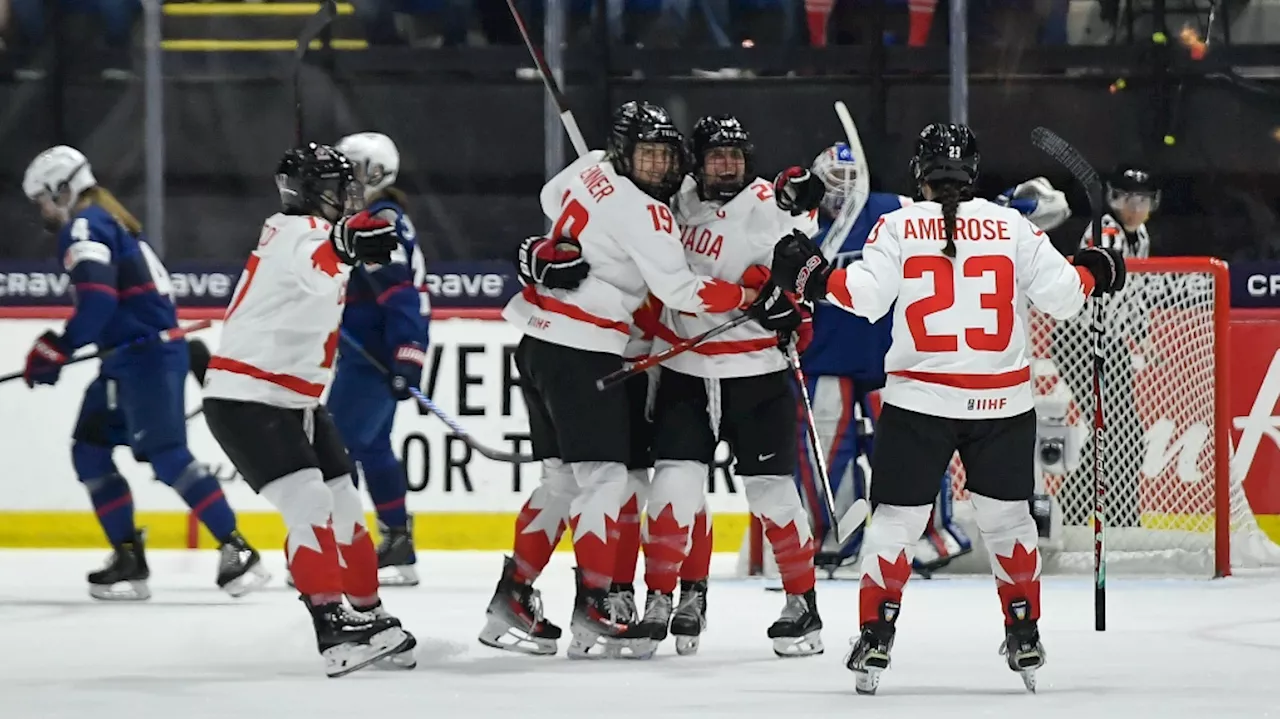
[839,169]
[56,169]
[375,159]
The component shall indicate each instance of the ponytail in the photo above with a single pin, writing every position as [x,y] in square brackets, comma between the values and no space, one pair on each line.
[950,194]
[397,196]
[103,198]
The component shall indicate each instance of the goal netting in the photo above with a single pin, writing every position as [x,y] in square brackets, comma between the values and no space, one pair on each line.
[1172,504]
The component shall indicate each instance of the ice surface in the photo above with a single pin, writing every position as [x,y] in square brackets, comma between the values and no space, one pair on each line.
[1174,648]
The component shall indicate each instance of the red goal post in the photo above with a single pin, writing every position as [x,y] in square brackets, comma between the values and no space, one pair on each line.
[1173,504]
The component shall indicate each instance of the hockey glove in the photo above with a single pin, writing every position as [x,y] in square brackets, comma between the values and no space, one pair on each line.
[798,266]
[199,355]
[45,360]
[1036,199]
[1107,267]
[775,311]
[796,190]
[364,238]
[406,371]
[556,264]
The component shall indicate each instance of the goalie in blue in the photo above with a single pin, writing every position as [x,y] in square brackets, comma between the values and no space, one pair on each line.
[122,294]
[387,313]
[844,362]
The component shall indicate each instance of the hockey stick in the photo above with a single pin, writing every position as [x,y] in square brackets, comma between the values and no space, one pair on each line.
[654,360]
[1070,158]
[553,87]
[857,513]
[311,31]
[176,333]
[861,187]
[427,404]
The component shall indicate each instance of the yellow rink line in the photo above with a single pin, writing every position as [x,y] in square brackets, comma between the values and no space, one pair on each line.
[265,530]
[194,45]
[233,9]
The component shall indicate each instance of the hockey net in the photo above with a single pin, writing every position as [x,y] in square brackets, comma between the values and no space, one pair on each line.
[1172,504]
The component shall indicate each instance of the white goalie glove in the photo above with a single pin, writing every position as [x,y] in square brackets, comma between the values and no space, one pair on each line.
[1039,201]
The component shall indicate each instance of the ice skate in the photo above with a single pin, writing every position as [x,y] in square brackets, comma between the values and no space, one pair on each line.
[593,633]
[240,569]
[798,632]
[515,620]
[403,659]
[396,558]
[641,639]
[869,655]
[350,641]
[125,575]
[622,603]
[690,617]
[1023,650]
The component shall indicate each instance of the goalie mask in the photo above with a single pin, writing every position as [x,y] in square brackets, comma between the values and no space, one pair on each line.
[839,168]
[318,180]
[722,157]
[646,148]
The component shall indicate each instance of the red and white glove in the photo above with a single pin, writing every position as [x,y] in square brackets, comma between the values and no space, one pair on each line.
[45,360]
[406,370]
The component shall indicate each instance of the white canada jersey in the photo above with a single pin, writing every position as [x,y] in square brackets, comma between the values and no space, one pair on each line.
[723,240]
[959,346]
[280,333]
[1132,245]
[632,243]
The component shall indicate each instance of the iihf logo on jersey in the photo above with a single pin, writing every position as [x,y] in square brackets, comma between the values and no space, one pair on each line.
[984,404]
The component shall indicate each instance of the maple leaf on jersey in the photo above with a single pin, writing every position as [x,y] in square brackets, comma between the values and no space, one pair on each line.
[326,260]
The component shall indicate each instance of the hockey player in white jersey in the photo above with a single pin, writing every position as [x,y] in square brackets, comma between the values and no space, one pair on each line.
[1132,195]
[956,272]
[737,387]
[614,206]
[262,400]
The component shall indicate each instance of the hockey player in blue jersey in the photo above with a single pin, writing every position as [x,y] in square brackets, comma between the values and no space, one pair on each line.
[387,313]
[122,293]
[844,362]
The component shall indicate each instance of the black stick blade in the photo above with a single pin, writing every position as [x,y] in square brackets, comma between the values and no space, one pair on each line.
[1048,142]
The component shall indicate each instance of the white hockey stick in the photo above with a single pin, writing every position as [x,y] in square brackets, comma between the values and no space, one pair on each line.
[861,188]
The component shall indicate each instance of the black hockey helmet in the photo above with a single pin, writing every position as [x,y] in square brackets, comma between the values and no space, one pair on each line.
[715,131]
[318,180]
[643,122]
[945,152]
[1131,183]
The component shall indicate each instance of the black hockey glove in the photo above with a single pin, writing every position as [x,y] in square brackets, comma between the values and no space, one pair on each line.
[198,353]
[556,264]
[775,311]
[364,238]
[1107,267]
[799,267]
[796,190]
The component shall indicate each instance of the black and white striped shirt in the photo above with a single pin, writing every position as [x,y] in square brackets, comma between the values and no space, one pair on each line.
[1135,245]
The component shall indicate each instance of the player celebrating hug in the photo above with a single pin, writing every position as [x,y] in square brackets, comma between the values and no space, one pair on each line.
[262,400]
[957,273]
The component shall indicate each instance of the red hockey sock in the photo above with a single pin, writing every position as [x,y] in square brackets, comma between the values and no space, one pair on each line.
[360,570]
[664,551]
[628,550]
[538,531]
[1018,581]
[594,553]
[920,22]
[794,560]
[818,14]
[314,563]
[697,565]
[882,581]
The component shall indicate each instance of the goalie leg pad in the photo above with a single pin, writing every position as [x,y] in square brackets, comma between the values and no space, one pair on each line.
[1010,535]
[774,500]
[889,544]
[542,520]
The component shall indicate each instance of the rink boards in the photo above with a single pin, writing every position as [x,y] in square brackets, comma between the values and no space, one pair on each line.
[460,499]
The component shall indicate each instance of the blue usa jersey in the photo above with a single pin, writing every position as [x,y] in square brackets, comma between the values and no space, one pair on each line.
[389,307]
[844,344]
[122,291]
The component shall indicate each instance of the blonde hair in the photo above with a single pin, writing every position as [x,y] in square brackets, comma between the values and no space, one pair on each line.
[103,198]
[396,194]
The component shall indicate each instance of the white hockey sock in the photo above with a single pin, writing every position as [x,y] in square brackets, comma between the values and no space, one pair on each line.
[1010,534]
[887,550]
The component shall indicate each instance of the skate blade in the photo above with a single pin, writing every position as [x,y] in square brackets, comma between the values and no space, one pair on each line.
[399,576]
[404,660]
[132,591]
[867,681]
[351,656]
[255,577]
[501,635]
[807,646]
[632,648]
[687,646]
[591,646]
[1029,679]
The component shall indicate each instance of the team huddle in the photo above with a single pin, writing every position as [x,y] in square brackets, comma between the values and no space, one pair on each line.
[806,281]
